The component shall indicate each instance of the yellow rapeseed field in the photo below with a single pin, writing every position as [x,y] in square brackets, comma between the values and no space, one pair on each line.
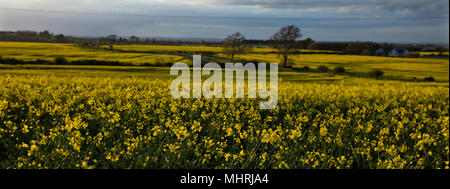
[404,68]
[428,53]
[72,52]
[49,121]
[66,116]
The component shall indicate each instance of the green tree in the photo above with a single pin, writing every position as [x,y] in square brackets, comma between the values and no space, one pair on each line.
[45,35]
[304,44]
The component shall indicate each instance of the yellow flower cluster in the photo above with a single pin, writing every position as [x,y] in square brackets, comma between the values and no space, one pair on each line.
[91,122]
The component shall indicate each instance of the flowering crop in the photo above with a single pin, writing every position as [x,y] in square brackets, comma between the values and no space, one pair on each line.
[72,52]
[75,121]
[394,67]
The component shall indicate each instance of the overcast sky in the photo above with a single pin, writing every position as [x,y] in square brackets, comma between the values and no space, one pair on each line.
[323,20]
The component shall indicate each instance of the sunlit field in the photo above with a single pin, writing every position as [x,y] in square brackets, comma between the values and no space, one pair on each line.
[72,52]
[433,53]
[401,68]
[394,68]
[86,116]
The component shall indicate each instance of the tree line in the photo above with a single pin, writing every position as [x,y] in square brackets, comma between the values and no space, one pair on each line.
[285,42]
[46,36]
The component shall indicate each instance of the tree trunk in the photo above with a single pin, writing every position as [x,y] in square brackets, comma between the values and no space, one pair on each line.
[285,59]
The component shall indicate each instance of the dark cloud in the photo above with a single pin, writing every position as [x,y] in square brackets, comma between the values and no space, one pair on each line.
[329,20]
[363,7]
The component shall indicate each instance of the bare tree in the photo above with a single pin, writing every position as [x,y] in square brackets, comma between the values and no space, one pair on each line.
[234,44]
[284,42]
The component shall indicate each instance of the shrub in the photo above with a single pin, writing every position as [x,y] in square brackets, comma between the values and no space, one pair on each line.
[367,52]
[60,60]
[306,67]
[322,68]
[412,55]
[429,78]
[339,69]
[40,61]
[376,73]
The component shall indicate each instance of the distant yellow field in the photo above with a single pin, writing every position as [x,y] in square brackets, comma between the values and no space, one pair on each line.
[432,53]
[72,52]
[399,67]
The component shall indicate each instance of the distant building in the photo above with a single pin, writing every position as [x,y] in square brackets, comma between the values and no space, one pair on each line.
[427,49]
[398,52]
[379,52]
